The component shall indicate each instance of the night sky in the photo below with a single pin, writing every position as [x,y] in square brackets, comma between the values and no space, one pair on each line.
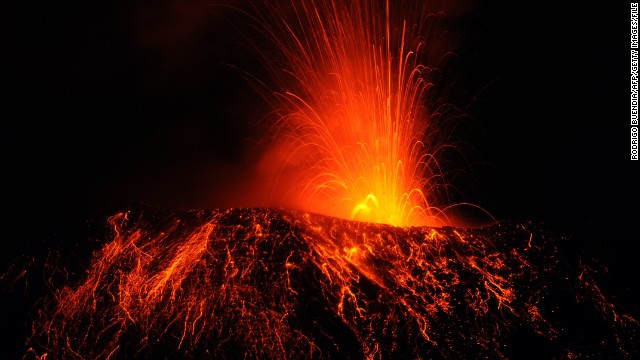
[109,103]
[114,102]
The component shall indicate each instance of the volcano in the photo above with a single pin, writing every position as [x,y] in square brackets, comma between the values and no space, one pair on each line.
[275,283]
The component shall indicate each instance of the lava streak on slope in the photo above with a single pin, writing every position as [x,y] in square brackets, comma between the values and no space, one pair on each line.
[268,283]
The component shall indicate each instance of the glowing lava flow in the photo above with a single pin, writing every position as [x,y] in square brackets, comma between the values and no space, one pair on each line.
[352,117]
[260,283]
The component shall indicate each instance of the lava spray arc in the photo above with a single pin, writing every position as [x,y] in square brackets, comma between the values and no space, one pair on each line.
[353,120]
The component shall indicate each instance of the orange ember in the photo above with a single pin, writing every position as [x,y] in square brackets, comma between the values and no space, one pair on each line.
[353,123]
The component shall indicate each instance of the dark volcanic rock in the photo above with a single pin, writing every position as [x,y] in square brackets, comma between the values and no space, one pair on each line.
[269,283]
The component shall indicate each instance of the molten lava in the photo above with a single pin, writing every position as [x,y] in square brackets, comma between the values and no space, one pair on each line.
[352,118]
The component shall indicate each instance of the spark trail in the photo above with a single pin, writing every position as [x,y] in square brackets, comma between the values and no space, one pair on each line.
[349,84]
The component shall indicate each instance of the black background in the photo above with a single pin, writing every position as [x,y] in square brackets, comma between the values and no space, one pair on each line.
[108,103]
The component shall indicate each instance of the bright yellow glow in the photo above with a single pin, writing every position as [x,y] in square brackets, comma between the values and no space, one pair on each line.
[353,120]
